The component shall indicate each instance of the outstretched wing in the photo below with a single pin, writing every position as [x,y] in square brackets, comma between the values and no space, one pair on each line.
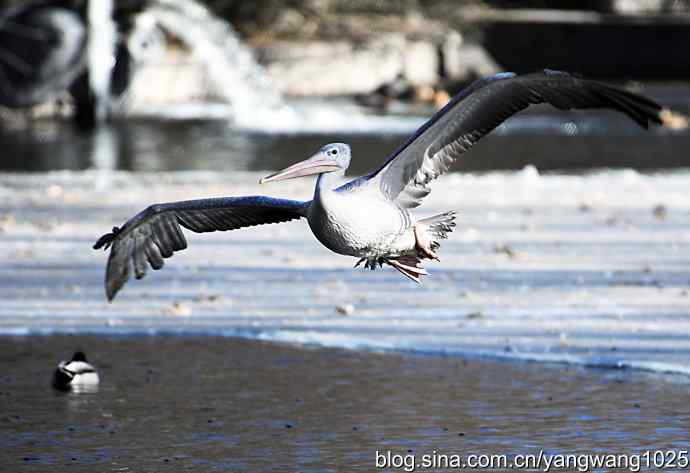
[155,233]
[406,176]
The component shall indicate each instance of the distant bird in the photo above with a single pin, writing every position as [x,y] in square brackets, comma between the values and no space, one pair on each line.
[75,373]
[368,217]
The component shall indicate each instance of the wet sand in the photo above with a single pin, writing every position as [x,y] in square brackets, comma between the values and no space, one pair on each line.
[226,404]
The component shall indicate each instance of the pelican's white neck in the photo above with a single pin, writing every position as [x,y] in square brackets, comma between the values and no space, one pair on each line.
[327,180]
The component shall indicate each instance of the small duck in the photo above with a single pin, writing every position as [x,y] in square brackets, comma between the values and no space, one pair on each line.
[75,373]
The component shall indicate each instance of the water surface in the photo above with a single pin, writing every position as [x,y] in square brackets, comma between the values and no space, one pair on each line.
[541,136]
[222,404]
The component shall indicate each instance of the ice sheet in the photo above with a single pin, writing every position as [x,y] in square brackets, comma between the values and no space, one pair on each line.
[591,269]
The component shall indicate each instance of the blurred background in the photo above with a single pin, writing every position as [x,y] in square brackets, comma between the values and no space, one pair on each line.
[152,85]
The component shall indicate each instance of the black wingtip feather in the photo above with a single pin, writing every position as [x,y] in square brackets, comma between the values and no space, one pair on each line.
[106,240]
[117,271]
[156,233]
[639,108]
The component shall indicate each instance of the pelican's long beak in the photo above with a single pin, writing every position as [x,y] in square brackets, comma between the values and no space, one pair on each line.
[317,164]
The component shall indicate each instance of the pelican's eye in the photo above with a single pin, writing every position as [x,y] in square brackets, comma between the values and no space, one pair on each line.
[334,152]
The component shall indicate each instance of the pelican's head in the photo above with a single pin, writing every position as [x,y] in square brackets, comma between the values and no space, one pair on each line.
[330,158]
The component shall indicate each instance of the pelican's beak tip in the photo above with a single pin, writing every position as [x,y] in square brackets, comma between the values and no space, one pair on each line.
[262,181]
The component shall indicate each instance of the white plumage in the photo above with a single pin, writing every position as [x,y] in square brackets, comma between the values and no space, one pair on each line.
[76,373]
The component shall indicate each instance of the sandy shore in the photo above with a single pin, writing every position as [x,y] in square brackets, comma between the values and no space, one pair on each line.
[224,404]
[585,269]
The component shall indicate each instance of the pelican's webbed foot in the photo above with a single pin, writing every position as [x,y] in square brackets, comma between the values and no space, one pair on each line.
[409,266]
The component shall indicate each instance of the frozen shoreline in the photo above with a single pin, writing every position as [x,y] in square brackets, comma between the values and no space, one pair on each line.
[589,269]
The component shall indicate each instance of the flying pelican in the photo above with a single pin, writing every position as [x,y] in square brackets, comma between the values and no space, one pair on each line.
[368,217]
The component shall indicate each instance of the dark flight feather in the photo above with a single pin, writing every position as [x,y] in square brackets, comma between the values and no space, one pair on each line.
[155,233]
[479,109]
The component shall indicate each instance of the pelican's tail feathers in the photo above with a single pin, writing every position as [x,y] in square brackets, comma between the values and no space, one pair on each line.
[439,226]
[428,231]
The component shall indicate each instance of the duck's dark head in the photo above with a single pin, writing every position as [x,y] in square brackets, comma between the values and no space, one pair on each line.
[79,356]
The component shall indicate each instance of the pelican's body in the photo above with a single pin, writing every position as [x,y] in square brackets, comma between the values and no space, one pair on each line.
[368,217]
[339,222]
